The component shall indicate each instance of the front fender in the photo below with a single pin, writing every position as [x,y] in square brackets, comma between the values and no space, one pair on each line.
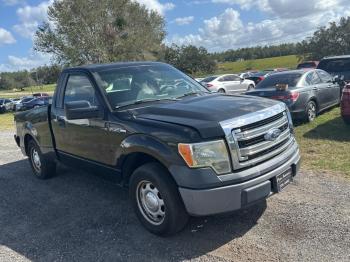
[140,143]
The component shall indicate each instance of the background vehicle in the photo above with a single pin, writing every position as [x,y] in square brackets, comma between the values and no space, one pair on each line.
[35,102]
[172,144]
[308,65]
[306,93]
[19,104]
[247,74]
[337,66]
[345,104]
[4,105]
[228,84]
[40,94]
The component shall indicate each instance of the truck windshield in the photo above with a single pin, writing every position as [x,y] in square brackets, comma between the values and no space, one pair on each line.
[145,83]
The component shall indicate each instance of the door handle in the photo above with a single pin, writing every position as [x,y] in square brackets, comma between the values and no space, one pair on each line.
[61,122]
[315,88]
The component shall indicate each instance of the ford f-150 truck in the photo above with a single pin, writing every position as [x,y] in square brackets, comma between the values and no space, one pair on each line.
[181,150]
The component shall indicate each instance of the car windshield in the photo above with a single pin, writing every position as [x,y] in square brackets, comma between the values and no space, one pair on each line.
[209,79]
[306,65]
[335,65]
[290,79]
[138,84]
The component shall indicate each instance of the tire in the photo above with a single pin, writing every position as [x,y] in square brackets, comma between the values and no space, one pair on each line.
[222,91]
[310,111]
[156,200]
[251,87]
[42,166]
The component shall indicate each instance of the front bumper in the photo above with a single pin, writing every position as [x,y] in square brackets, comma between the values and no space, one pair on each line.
[201,202]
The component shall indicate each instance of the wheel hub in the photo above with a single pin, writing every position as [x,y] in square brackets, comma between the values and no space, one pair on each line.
[151,201]
[36,159]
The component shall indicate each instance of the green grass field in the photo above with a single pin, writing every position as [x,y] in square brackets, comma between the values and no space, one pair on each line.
[290,61]
[324,144]
[28,91]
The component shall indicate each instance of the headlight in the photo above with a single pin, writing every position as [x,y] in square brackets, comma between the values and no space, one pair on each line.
[208,154]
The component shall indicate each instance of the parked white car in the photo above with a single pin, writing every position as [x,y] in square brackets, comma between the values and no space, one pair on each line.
[228,84]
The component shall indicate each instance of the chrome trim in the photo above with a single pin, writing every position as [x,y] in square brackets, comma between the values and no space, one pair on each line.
[231,128]
[247,135]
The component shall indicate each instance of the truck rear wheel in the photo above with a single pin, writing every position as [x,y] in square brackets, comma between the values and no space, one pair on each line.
[156,200]
[42,167]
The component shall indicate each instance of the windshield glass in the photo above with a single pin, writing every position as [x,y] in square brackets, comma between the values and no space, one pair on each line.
[335,65]
[290,79]
[135,84]
[209,79]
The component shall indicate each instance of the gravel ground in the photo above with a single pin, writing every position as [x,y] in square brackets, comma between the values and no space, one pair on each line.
[80,217]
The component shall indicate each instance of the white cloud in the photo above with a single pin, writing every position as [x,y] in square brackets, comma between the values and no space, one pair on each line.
[227,31]
[30,18]
[15,63]
[184,20]
[156,5]
[13,2]
[6,37]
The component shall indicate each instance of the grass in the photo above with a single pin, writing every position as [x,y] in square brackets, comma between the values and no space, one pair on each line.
[28,91]
[324,144]
[6,122]
[290,61]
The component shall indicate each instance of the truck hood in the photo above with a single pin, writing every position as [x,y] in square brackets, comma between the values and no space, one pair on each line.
[203,113]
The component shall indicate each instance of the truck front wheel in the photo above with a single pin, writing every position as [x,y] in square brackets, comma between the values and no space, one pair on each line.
[156,200]
[42,167]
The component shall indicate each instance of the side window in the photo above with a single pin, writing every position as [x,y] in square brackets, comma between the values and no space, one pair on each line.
[312,79]
[222,79]
[79,88]
[325,77]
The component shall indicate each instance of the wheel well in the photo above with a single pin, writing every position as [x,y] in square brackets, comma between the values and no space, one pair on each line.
[134,161]
[27,138]
[313,99]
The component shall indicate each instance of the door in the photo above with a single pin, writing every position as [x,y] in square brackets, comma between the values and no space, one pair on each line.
[82,138]
[235,84]
[318,88]
[333,89]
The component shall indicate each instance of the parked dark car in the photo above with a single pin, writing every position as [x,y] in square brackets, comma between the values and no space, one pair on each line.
[306,93]
[35,103]
[337,66]
[345,104]
[180,149]
[18,106]
[40,94]
[308,65]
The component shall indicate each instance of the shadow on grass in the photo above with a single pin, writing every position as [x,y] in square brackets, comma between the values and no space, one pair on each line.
[334,130]
[76,216]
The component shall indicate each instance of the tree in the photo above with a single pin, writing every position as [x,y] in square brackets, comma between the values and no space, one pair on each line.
[89,31]
[190,59]
[327,41]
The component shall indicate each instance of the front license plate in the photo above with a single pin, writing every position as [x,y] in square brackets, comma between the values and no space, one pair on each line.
[283,180]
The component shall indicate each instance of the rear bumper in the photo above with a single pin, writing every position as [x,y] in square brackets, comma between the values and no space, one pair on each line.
[233,197]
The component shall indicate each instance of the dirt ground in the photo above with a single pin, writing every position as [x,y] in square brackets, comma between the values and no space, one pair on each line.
[77,216]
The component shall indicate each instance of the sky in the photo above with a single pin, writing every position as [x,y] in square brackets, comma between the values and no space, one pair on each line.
[215,24]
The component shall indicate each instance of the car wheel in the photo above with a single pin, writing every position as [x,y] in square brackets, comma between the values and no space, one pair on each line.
[311,111]
[251,87]
[222,91]
[156,200]
[42,166]
[36,106]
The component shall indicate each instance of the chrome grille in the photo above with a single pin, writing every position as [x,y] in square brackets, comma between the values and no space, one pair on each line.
[246,136]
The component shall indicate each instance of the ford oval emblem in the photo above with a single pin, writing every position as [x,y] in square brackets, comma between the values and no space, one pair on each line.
[273,134]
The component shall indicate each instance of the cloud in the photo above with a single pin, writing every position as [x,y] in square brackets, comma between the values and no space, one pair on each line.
[227,31]
[13,2]
[33,60]
[156,5]
[30,18]
[6,37]
[184,20]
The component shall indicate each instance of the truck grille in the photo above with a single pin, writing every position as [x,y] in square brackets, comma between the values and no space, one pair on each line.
[248,142]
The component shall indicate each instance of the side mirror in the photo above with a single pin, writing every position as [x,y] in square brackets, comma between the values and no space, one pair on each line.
[81,110]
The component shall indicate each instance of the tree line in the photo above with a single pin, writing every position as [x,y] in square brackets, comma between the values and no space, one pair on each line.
[85,32]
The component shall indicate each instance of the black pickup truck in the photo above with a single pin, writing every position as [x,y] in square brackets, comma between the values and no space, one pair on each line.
[180,149]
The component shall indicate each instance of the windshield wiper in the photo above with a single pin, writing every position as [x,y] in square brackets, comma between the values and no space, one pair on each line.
[141,101]
[192,94]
